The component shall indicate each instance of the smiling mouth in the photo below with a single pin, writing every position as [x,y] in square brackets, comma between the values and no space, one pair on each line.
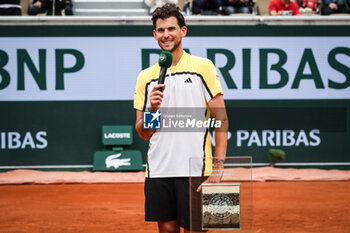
[167,42]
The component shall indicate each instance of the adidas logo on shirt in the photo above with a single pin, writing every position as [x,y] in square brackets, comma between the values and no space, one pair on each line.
[188,80]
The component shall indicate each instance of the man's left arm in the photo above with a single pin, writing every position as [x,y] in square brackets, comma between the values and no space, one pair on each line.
[218,111]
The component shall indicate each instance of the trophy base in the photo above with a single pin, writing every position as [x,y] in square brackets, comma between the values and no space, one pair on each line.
[221,206]
[224,204]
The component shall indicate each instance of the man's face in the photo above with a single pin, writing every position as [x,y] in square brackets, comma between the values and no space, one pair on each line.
[169,34]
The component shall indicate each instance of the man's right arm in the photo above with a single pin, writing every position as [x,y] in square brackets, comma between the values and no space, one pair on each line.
[145,134]
[156,98]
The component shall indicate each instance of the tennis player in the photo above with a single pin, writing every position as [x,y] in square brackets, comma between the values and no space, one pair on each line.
[191,82]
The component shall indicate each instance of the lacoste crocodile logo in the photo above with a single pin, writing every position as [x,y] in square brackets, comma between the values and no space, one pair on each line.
[113,161]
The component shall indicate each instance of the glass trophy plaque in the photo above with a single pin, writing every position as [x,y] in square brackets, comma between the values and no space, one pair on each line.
[221,195]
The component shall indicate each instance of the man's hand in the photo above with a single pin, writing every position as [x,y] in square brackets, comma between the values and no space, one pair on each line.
[37,4]
[156,97]
[275,13]
[333,6]
[216,175]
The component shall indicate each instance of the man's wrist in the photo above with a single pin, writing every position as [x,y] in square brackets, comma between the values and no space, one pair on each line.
[222,161]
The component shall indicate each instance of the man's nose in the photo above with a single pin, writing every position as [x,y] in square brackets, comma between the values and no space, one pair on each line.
[166,33]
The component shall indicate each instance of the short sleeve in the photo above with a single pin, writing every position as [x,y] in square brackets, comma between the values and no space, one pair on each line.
[140,92]
[211,85]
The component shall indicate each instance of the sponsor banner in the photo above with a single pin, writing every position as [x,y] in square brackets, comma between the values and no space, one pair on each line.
[117,161]
[60,135]
[117,135]
[251,67]
[21,140]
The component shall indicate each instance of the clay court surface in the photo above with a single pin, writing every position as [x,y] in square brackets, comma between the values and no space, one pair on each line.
[278,207]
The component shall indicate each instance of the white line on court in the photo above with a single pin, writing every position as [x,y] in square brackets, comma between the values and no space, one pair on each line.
[144,165]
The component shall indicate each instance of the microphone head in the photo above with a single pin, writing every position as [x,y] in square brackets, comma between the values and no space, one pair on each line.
[165,59]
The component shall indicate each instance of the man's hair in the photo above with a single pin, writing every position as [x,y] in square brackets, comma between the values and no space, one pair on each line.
[167,11]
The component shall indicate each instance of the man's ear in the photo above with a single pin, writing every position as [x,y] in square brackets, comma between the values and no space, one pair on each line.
[154,34]
[184,31]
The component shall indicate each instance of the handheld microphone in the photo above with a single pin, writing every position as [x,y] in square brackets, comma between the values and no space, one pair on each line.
[165,61]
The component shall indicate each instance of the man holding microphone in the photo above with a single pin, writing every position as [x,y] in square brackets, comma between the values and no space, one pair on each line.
[191,82]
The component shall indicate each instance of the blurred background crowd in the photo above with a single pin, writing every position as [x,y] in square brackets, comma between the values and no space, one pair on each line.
[189,7]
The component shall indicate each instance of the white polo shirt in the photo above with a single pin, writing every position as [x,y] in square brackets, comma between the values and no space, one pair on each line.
[190,85]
